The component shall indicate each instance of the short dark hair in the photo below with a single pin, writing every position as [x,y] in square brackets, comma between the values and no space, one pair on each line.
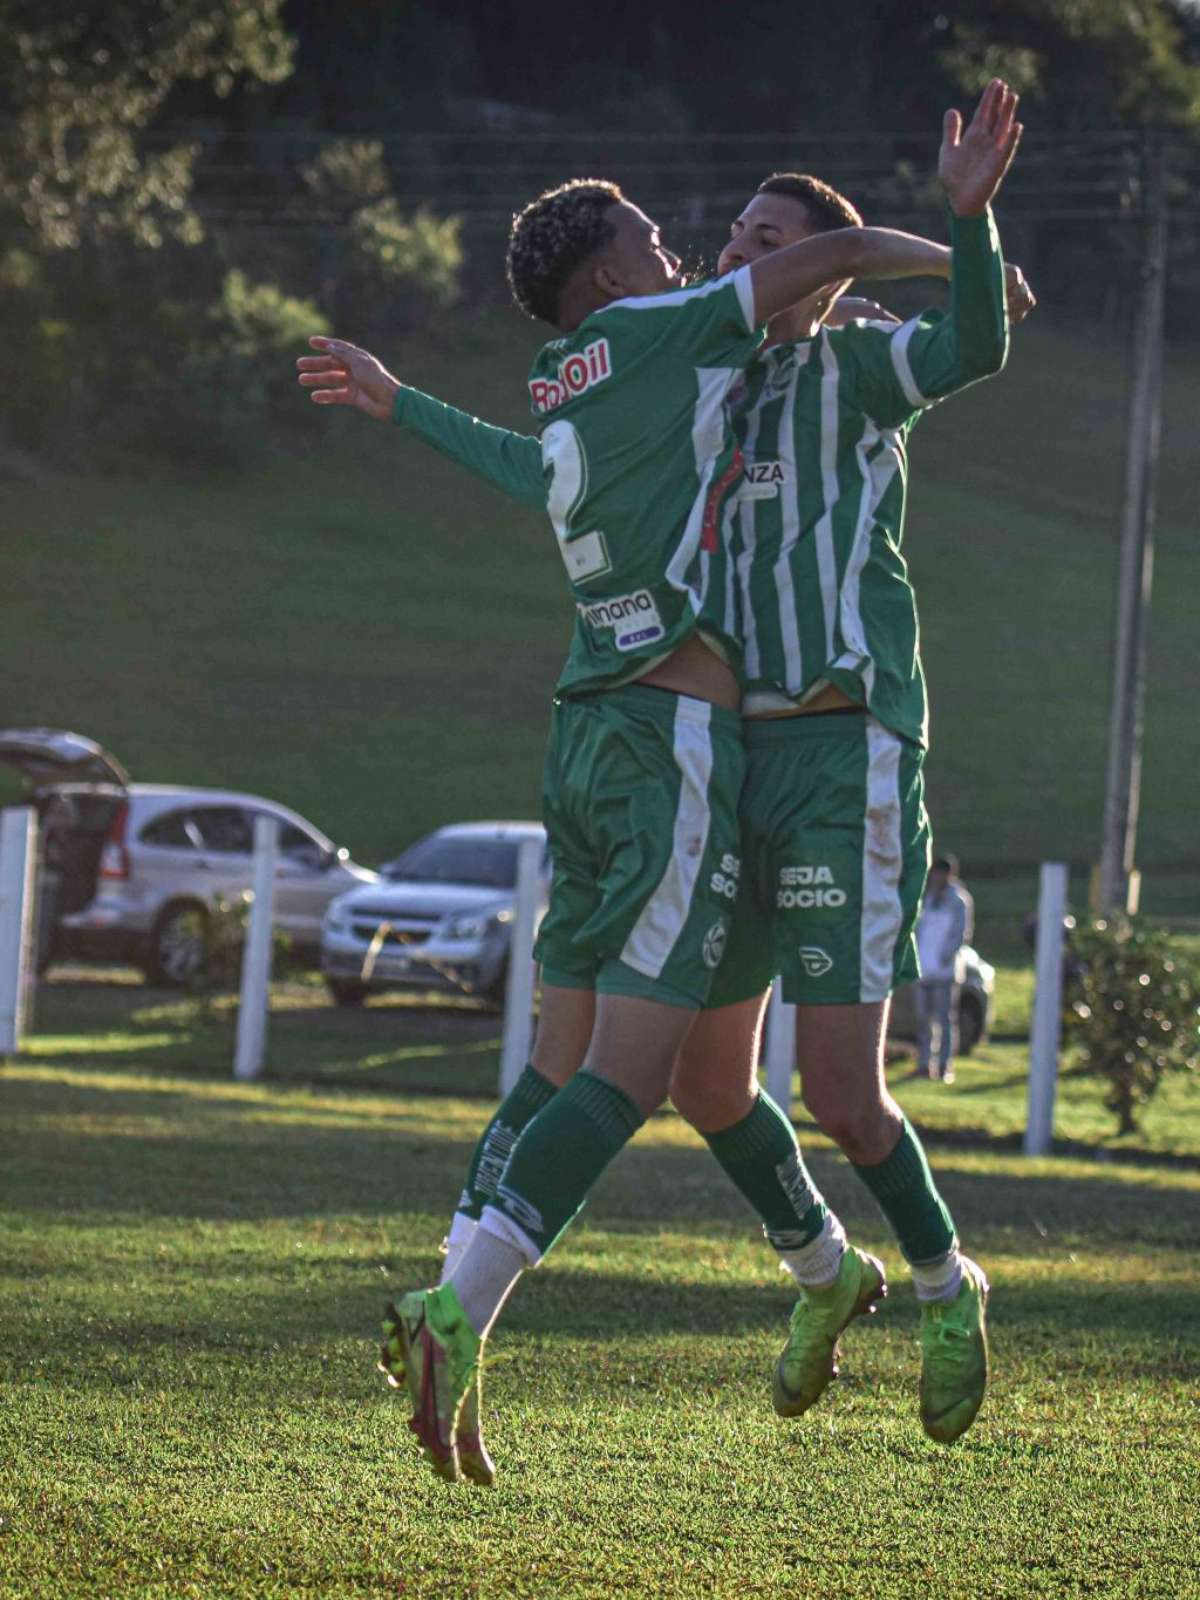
[827,208]
[552,236]
[947,863]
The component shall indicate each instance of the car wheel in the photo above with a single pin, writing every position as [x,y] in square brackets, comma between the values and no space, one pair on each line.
[970,1021]
[346,991]
[177,945]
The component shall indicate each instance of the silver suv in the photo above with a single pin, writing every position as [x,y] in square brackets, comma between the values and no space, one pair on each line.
[441,918]
[131,871]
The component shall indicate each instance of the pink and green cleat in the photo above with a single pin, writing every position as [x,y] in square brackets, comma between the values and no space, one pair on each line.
[430,1348]
[809,1359]
[473,1458]
[954,1357]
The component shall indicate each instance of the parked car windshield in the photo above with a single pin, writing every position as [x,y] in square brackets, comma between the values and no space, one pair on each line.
[491,862]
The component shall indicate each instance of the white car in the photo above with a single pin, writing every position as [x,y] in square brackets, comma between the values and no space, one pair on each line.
[131,871]
[440,919]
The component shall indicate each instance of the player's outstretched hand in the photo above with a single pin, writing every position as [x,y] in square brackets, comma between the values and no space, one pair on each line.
[973,161]
[344,375]
[1021,298]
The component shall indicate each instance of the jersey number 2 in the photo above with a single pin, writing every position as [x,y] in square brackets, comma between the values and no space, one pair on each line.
[563,456]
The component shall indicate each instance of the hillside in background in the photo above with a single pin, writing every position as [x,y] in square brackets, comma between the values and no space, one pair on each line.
[359,630]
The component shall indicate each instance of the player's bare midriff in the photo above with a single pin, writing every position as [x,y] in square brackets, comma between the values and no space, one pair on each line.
[695,669]
[830,698]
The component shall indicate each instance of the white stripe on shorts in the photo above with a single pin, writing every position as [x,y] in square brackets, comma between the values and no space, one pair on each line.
[883,861]
[656,931]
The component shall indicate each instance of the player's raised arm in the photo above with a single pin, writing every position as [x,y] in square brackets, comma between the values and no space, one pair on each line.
[935,354]
[342,374]
[972,342]
[971,166]
[798,270]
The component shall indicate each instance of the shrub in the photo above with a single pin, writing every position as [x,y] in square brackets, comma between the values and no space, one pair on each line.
[1134,1014]
[218,401]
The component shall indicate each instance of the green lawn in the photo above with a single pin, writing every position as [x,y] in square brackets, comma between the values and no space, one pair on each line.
[359,630]
[192,1272]
[437,1045]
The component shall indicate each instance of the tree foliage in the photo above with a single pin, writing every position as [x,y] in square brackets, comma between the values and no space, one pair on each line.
[122,256]
[1134,1013]
[84,80]
[1084,62]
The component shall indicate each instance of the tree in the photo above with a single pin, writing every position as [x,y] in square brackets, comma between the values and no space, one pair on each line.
[1094,62]
[83,82]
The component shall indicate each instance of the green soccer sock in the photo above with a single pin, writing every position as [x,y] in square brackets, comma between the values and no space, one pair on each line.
[762,1158]
[524,1100]
[908,1197]
[559,1157]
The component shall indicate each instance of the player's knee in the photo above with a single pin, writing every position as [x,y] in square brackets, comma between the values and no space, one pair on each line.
[710,1102]
[864,1132]
[836,1122]
[556,1059]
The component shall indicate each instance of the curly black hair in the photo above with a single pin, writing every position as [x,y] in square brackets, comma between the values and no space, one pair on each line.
[826,208]
[552,236]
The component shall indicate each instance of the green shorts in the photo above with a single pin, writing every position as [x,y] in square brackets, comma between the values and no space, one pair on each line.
[639,798]
[836,845]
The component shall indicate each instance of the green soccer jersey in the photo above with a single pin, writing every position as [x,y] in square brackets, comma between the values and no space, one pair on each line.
[637,458]
[809,580]
[821,591]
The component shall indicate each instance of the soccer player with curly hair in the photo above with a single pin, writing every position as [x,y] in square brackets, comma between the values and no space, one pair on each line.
[645,759]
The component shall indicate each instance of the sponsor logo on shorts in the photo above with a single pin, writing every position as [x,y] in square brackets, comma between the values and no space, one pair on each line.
[806,888]
[577,373]
[633,618]
[725,880]
[815,961]
[713,947]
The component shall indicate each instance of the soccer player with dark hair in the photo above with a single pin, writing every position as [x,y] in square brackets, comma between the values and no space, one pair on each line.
[639,461]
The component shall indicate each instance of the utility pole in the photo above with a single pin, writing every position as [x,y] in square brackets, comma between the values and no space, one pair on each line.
[1127,716]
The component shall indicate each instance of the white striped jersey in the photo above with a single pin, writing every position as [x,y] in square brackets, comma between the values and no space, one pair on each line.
[817,587]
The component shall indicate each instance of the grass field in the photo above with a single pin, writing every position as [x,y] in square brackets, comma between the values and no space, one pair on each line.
[192,1271]
[359,630]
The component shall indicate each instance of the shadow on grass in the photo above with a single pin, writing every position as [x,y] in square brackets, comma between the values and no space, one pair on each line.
[407,1044]
[1149,1333]
[121,1153]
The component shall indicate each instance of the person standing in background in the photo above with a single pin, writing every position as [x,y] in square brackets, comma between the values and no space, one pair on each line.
[946,924]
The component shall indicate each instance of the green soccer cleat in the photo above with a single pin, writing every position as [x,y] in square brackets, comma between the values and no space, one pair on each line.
[809,1359]
[954,1357]
[432,1349]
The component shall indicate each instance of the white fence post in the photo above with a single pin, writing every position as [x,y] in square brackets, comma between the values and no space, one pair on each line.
[781,1048]
[518,1000]
[256,957]
[18,852]
[1047,1008]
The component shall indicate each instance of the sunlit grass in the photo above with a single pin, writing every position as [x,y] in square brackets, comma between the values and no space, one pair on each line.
[192,1270]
